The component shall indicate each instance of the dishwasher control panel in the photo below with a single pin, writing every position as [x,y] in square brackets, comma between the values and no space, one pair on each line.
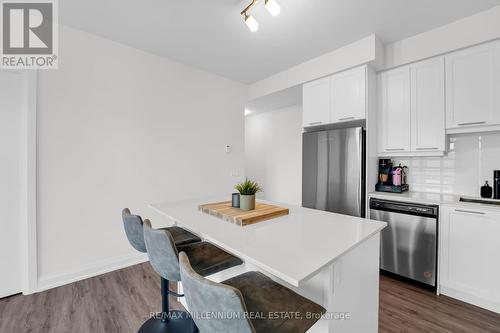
[404,207]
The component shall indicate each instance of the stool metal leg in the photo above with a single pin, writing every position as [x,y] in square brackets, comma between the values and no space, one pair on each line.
[165,309]
[170,321]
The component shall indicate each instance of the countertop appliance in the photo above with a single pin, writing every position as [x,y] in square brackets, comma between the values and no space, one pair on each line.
[408,246]
[496,184]
[384,171]
[486,191]
[333,171]
[391,179]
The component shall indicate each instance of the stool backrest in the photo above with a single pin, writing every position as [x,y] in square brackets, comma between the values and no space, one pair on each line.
[162,252]
[133,230]
[224,304]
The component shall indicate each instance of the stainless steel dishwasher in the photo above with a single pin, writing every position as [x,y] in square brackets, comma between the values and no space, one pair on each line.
[408,246]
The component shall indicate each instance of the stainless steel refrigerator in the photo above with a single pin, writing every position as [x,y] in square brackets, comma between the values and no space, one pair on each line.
[333,171]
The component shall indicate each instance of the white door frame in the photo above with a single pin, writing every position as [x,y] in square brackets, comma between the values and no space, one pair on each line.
[30,283]
[29,265]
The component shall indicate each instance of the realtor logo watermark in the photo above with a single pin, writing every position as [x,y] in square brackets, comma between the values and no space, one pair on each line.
[29,36]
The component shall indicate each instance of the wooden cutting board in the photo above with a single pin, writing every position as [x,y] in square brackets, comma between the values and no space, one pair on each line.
[262,212]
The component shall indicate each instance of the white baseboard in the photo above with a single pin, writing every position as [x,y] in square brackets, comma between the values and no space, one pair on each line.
[471,299]
[59,279]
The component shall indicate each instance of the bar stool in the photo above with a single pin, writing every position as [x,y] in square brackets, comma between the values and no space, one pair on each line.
[164,257]
[243,303]
[133,230]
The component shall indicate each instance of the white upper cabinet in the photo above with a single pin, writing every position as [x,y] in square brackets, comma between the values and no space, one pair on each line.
[349,95]
[316,102]
[394,111]
[337,98]
[412,110]
[428,106]
[473,86]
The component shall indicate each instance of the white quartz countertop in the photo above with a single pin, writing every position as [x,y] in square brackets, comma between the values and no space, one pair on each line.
[432,199]
[294,247]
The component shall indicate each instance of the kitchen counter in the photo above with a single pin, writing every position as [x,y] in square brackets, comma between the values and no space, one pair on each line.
[310,238]
[323,256]
[429,198]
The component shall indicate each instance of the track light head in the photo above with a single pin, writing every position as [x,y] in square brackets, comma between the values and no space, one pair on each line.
[272,7]
[251,23]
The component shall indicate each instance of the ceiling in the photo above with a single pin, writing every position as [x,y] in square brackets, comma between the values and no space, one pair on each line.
[211,35]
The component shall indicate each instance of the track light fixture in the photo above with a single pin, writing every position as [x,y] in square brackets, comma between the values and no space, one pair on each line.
[272,7]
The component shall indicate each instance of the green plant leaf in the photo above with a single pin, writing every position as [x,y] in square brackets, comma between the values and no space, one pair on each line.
[248,187]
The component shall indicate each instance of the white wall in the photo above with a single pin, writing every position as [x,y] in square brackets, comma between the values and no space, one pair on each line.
[273,153]
[118,127]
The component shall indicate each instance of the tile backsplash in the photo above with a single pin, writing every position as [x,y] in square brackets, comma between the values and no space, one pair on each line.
[470,160]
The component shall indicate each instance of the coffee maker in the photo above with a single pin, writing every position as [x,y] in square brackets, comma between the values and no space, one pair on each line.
[385,171]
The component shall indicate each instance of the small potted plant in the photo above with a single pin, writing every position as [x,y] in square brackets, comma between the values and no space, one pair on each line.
[247,190]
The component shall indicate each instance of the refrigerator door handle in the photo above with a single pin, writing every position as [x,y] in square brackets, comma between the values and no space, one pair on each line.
[361,185]
[360,202]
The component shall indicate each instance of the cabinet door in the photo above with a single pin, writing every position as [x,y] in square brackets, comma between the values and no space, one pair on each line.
[472,85]
[349,95]
[427,106]
[316,102]
[469,254]
[394,111]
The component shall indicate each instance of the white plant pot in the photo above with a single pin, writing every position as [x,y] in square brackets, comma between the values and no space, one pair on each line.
[247,202]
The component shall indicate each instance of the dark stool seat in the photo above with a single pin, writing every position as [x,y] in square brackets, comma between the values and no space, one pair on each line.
[254,302]
[182,236]
[207,259]
[263,295]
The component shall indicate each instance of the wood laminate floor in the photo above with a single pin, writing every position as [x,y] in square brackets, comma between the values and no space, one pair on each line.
[120,301]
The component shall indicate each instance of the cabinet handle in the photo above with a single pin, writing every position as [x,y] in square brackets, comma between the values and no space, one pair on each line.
[394,149]
[429,148]
[316,123]
[347,118]
[472,123]
[469,211]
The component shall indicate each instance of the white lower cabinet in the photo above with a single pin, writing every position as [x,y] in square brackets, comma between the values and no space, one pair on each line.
[469,255]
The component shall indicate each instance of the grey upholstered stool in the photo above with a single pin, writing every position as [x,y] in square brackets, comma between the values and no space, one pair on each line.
[164,257]
[133,230]
[235,300]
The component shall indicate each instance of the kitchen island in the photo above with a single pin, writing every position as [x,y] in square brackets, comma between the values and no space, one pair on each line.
[329,258]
